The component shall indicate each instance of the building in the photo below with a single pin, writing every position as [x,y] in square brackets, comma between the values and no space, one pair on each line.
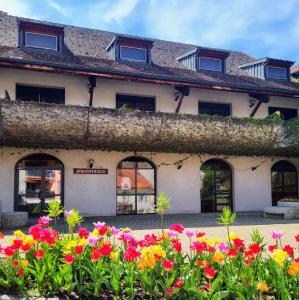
[70,130]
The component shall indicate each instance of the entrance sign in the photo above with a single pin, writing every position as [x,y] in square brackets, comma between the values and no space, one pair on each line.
[84,171]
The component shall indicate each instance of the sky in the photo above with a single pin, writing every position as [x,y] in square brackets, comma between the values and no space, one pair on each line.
[258,27]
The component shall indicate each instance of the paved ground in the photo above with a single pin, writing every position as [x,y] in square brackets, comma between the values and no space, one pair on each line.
[244,225]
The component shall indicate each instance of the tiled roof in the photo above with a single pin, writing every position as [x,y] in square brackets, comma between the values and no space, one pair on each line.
[86,49]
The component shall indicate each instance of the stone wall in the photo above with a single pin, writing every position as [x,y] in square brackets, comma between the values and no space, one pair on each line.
[41,125]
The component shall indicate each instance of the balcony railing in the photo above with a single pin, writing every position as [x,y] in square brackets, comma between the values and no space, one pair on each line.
[41,125]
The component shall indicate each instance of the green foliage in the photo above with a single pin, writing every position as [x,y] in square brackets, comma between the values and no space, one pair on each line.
[124,109]
[162,205]
[227,217]
[54,209]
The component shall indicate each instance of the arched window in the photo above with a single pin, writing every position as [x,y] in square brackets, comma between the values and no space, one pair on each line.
[39,180]
[135,186]
[216,186]
[284,181]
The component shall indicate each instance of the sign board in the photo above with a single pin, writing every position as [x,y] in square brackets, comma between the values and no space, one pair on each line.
[90,171]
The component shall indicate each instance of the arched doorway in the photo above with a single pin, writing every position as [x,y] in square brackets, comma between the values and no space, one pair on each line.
[39,181]
[284,181]
[135,186]
[216,186]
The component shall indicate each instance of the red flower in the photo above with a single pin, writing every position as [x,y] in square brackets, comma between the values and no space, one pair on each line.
[177,227]
[69,259]
[297,238]
[200,234]
[248,283]
[39,254]
[25,247]
[289,250]
[239,243]
[169,291]
[255,248]
[131,254]
[95,256]
[168,265]
[271,248]
[9,251]
[1,235]
[179,283]
[247,261]
[79,250]
[199,246]
[35,231]
[232,253]
[15,263]
[20,272]
[106,250]
[83,233]
[210,272]
[149,240]
[176,244]
[17,244]
[296,260]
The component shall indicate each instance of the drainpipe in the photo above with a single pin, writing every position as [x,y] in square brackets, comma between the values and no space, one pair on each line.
[7,97]
[182,91]
[92,84]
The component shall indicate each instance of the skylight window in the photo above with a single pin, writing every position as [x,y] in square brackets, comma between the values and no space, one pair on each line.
[39,40]
[277,73]
[131,53]
[210,64]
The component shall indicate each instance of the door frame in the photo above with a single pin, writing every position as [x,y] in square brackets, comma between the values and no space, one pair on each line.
[43,169]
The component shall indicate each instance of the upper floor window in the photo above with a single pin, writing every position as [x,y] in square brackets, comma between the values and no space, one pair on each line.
[136,102]
[131,53]
[286,113]
[210,108]
[210,64]
[277,73]
[40,94]
[39,40]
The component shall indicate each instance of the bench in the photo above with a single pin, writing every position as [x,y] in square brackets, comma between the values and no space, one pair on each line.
[283,212]
[15,219]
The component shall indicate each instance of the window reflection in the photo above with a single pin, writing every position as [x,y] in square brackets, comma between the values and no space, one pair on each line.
[135,186]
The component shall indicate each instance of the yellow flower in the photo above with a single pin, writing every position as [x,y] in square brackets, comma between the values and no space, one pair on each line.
[202,239]
[293,269]
[149,256]
[95,232]
[213,241]
[126,229]
[218,257]
[28,239]
[114,255]
[25,263]
[279,256]
[233,236]
[262,287]
[82,242]
[19,234]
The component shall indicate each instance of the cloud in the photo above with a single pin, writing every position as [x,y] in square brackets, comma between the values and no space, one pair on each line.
[62,10]
[16,8]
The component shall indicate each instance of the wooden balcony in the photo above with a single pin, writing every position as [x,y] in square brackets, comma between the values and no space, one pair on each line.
[40,125]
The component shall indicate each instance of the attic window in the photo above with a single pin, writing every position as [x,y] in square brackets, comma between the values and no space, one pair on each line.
[132,53]
[39,40]
[277,73]
[210,64]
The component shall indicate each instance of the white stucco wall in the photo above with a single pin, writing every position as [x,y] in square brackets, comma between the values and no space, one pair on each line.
[96,194]
[76,92]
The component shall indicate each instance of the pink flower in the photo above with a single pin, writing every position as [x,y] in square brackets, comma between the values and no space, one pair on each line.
[67,213]
[223,247]
[190,233]
[92,240]
[171,233]
[114,230]
[99,225]
[44,221]
[276,235]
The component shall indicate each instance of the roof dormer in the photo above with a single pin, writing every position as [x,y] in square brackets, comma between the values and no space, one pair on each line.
[127,48]
[206,59]
[40,36]
[268,68]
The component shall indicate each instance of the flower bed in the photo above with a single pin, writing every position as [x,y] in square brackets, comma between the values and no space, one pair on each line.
[110,263]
